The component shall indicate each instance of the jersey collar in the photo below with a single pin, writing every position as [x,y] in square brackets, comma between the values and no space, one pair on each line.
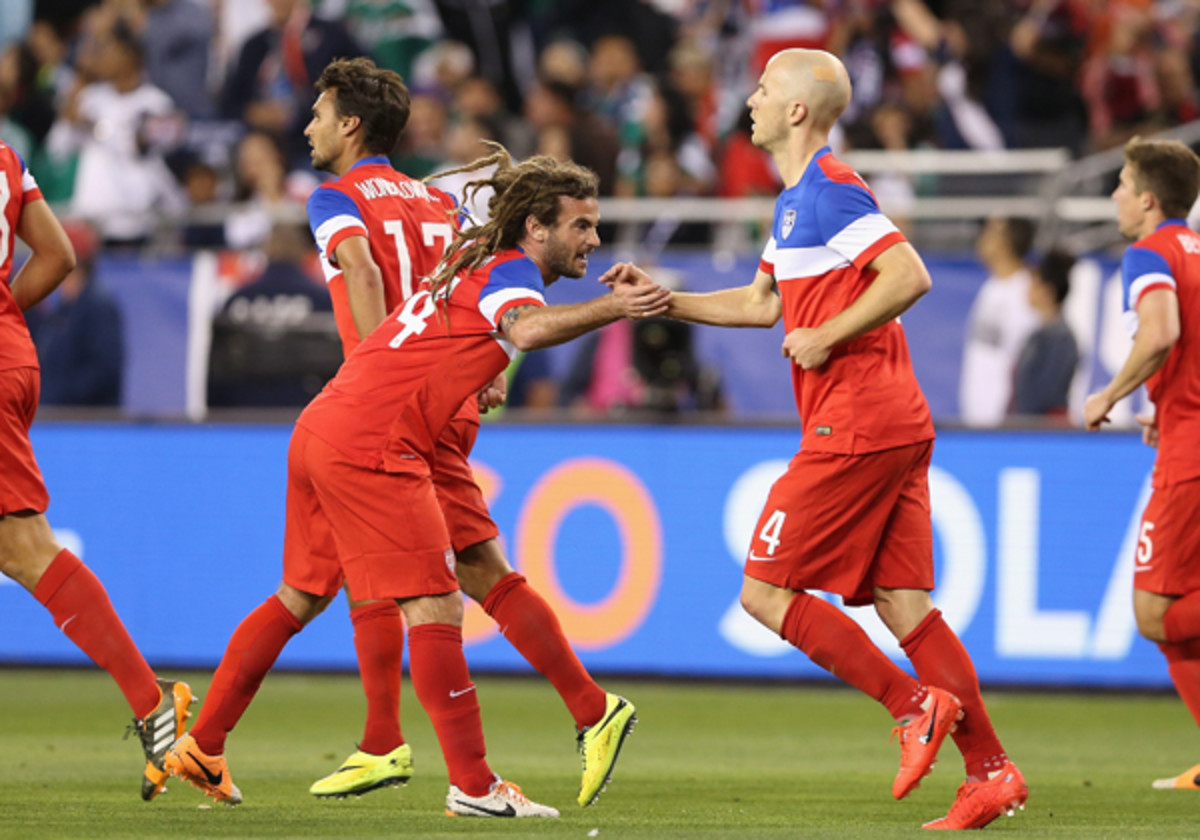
[1175,221]
[373,160]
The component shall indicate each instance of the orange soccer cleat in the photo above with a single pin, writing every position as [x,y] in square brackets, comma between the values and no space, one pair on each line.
[1187,780]
[921,738]
[978,803]
[209,773]
[159,730]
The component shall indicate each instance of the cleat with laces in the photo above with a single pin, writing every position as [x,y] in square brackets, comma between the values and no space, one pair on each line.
[978,803]
[158,730]
[1187,780]
[209,773]
[503,799]
[922,737]
[364,772]
[599,746]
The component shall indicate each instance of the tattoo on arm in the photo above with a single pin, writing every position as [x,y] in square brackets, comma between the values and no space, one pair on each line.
[510,317]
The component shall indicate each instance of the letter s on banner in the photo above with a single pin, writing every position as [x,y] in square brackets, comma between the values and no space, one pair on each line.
[618,491]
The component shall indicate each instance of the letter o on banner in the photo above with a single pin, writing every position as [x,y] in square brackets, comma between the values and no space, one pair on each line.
[616,490]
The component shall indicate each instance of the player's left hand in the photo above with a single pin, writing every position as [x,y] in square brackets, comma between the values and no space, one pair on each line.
[1095,411]
[805,347]
[494,395]
[625,273]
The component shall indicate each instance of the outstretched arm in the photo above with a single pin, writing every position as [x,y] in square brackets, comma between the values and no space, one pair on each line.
[1158,330]
[754,305]
[532,327]
[900,282]
[53,257]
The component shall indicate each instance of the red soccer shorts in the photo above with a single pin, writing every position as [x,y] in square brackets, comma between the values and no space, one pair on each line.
[848,523]
[381,532]
[21,484]
[1169,541]
[463,508]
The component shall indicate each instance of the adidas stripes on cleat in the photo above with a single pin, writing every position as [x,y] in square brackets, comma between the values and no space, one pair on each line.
[209,773]
[363,772]
[599,746]
[158,731]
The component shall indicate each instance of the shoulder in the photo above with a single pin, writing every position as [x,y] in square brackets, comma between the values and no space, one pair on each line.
[330,197]
[513,268]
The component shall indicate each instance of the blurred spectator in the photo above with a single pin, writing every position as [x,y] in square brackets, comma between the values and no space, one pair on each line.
[783,24]
[531,385]
[78,333]
[201,185]
[489,28]
[476,98]
[620,92]
[1000,321]
[265,189]
[422,149]
[691,74]
[270,87]
[1037,97]
[26,102]
[1119,83]
[393,32]
[275,342]
[1048,360]
[121,127]
[666,131]
[564,61]
[565,130]
[467,142]
[177,37]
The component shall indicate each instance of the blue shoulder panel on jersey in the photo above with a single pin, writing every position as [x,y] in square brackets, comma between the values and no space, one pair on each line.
[514,274]
[1138,262]
[325,203]
[841,204]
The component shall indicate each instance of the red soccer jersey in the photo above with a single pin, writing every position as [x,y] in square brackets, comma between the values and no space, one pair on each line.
[407,224]
[17,188]
[827,229]
[394,395]
[1169,258]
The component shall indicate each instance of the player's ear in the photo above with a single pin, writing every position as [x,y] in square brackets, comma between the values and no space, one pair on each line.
[534,229]
[350,124]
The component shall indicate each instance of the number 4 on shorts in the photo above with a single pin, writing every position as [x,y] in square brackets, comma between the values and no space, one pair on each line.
[770,531]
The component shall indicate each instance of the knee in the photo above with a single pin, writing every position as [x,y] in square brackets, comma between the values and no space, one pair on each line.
[480,567]
[901,610]
[1151,627]
[766,604]
[27,548]
[305,606]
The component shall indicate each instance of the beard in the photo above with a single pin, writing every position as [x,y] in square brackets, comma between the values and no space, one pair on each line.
[561,260]
[321,164]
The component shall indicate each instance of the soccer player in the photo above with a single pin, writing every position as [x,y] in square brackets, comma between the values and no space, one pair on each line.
[29,553]
[379,233]
[851,514]
[1160,273]
[362,502]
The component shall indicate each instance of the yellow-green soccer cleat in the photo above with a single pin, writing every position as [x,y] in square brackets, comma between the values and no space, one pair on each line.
[600,745]
[362,773]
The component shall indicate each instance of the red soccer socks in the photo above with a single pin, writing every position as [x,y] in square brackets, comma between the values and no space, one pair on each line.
[529,624]
[833,640]
[444,687]
[82,610]
[940,659]
[252,650]
[379,642]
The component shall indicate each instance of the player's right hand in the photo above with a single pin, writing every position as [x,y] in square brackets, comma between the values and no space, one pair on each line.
[641,299]
[1149,425]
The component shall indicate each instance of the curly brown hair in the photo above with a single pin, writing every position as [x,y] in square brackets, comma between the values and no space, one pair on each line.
[378,97]
[529,188]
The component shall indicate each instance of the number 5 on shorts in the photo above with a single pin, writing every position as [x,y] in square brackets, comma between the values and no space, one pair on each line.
[770,531]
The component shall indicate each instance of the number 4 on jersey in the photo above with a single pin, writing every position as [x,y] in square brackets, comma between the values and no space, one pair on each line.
[770,531]
[414,315]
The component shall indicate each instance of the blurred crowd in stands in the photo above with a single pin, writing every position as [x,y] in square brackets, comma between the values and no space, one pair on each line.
[131,112]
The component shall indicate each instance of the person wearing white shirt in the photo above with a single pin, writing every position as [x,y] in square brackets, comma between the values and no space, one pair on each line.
[1000,321]
[119,125]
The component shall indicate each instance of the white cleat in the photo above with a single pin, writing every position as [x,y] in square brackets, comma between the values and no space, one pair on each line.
[504,799]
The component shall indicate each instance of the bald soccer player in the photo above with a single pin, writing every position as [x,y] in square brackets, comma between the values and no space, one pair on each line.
[851,515]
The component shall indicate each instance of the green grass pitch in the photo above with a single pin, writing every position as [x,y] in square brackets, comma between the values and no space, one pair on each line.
[706,761]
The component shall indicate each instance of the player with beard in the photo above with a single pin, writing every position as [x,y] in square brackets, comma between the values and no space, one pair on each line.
[364,504]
